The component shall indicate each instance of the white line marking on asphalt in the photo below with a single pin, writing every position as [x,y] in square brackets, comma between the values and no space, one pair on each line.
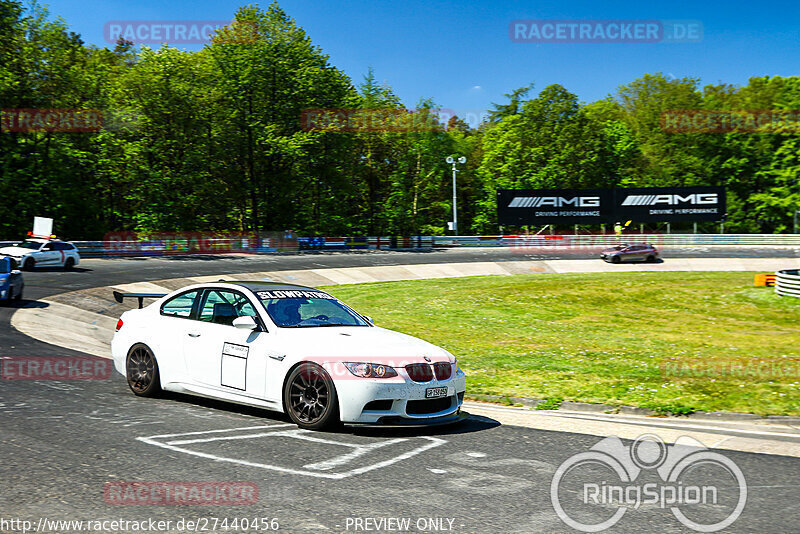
[677,425]
[223,438]
[476,454]
[358,451]
[216,431]
[437,471]
[311,469]
[720,442]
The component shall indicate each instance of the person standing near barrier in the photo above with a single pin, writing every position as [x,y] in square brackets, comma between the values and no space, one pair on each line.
[618,228]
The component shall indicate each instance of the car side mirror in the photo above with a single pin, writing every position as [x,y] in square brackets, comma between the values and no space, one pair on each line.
[245,323]
[369,319]
[16,271]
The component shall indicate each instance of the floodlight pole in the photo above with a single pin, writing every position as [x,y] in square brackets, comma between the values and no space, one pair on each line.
[453,161]
[796,213]
[455,206]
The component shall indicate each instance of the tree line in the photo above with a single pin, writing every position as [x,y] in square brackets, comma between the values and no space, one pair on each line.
[214,140]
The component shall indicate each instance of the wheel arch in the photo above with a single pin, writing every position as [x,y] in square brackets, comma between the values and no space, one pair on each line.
[135,344]
[288,373]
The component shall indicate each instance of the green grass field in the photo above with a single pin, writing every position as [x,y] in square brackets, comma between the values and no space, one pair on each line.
[607,337]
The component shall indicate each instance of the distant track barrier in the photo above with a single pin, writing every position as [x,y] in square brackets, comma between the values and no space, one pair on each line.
[597,240]
[122,244]
[200,243]
[787,283]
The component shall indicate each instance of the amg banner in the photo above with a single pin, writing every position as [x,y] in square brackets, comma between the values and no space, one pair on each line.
[519,207]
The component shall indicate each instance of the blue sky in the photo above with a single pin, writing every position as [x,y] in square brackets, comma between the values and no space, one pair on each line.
[460,53]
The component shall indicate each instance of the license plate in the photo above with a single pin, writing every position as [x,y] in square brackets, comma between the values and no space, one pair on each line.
[435,393]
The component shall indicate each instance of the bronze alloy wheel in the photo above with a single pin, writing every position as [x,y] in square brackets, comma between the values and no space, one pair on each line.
[310,398]
[142,371]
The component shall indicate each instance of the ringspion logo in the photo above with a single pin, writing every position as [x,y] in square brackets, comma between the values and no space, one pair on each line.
[591,491]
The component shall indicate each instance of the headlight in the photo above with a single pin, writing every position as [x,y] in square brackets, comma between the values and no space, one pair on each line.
[370,370]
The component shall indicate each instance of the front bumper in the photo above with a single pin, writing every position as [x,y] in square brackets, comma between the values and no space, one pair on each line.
[399,402]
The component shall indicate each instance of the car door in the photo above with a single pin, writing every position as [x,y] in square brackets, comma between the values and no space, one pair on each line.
[221,356]
[48,255]
[175,323]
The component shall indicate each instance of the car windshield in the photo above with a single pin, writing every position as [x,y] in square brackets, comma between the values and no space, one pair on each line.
[307,308]
[32,245]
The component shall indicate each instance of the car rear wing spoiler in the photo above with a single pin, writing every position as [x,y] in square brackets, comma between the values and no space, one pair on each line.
[119,297]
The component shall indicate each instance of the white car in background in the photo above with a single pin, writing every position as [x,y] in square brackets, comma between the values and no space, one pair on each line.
[288,348]
[35,252]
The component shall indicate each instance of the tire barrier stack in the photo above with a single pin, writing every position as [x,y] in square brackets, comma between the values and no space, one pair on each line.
[787,283]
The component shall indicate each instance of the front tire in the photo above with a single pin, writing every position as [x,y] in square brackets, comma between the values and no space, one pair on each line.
[310,399]
[19,295]
[615,259]
[141,370]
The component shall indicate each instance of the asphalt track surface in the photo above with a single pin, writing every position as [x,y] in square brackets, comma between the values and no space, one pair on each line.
[61,442]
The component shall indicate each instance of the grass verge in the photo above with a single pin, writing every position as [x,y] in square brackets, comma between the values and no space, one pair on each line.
[674,342]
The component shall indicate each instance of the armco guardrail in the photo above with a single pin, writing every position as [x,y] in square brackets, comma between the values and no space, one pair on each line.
[597,240]
[180,243]
[787,283]
[199,243]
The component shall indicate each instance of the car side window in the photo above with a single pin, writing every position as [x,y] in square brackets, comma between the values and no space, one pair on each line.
[180,306]
[221,306]
[48,246]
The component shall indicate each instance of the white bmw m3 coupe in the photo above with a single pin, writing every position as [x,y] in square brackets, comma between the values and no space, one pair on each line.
[288,348]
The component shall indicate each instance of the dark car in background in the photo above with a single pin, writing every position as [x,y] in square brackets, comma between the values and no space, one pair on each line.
[11,283]
[626,252]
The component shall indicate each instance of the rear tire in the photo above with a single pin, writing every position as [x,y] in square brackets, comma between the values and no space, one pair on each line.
[29,265]
[141,370]
[310,399]
[651,259]
[69,264]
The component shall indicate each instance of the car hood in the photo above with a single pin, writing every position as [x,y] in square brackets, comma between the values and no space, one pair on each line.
[358,343]
[16,252]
